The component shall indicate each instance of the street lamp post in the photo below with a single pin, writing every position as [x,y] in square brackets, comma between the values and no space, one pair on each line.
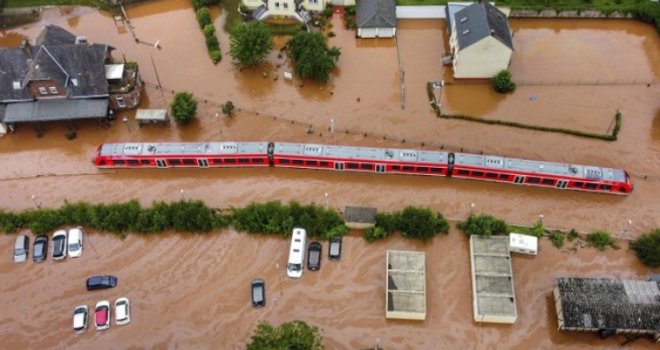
[36,201]
[326,201]
[183,198]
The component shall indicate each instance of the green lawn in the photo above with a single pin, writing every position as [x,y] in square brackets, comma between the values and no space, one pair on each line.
[91,3]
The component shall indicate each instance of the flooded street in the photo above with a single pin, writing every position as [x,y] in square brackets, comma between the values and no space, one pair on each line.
[192,291]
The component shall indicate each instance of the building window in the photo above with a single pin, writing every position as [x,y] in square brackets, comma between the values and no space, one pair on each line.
[466,32]
[43,91]
[277,5]
[464,19]
[285,5]
[120,102]
[53,90]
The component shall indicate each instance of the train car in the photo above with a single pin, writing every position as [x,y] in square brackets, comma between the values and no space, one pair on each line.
[365,159]
[179,154]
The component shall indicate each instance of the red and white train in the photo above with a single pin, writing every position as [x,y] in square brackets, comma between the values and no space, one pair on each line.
[365,159]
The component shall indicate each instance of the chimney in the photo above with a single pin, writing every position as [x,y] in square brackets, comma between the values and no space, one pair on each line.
[81,40]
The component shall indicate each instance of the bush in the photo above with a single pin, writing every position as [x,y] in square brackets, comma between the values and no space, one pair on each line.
[502,82]
[209,31]
[290,335]
[572,235]
[331,34]
[250,44]
[198,4]
[183,107]
[421,223]
[350,10]
[483,225]
[10,222]
[388,222]
[601,240]
[373,234]
[191,216]
[327,11]
[216,56]
[204,17]
[312,56]
[647,248]
[212,43]
[43,221]
[557,238]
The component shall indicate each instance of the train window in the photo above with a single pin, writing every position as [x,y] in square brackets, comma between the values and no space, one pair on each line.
[230,161]
[325,164]
[133,162]
[298,162]
[504,176]
[477,173]
[312,163]
[547,181]
[591,185]
[145,161]
[533,180]
[396,167]
[491,175]
[217,160]
[284,161]
[366,166]
[175,162]
[352,165]
[243,160]
[463,172]
[118,161]
[188,161]
[407,168]
[578,184]
[606,187]
[422,169]
[257,160]
[436,170]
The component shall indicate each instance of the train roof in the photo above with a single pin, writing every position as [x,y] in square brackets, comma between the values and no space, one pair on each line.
[346,152]
[182,148]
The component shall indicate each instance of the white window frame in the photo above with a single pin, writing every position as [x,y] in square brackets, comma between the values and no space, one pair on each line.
[43,91]
[53,90]
[120,102]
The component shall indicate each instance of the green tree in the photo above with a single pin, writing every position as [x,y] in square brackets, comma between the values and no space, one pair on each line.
[502,82]
[250,44]
[183,107]
[312,57]
[601,240]
[421,223]
[228,109]
[203,17]
[483,225]
[208,30]
[295,335]
[647,248]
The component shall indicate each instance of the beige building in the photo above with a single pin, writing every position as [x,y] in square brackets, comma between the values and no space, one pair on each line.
[296,9]
[480,41]
[405,293]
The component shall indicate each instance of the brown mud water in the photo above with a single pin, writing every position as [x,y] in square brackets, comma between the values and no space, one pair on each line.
[204,302]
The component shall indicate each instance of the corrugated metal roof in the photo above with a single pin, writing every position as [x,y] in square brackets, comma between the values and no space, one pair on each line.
[56,109]
[481,20]
[375,13]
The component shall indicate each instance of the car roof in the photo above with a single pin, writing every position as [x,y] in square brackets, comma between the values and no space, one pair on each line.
[59,233]
[20,241]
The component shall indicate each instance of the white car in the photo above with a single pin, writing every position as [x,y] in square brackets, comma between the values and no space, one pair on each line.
[59,245]
[122,311]
[75,242]
[80,318]
[102,315]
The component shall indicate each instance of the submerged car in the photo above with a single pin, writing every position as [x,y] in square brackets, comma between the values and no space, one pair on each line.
[314,256]
[75,242]
[258,289]
[80,314]
[334,252]
[102,315]
[59,245]
[40,248]
[21,248]
[101,282]
[122,311]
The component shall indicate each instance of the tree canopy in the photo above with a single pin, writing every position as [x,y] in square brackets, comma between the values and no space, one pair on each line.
[250,44]
[288,336]
[502,82]
[183,107]
[647,248]
[312,57]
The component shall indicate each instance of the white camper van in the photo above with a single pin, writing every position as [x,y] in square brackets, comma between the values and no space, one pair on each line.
[294,268]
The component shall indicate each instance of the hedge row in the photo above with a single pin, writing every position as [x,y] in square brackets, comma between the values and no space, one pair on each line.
[212,44]
[180,216]
[412,222]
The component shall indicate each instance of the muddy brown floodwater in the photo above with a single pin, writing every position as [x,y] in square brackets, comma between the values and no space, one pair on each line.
[192,291]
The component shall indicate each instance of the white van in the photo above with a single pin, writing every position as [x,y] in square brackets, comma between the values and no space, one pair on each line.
[75,242]
[294,268]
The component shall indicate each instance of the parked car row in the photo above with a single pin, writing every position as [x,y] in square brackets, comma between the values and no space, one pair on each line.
[315,249]
[102,315]
[64,243]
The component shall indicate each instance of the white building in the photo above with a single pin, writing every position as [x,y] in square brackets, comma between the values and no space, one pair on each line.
[375,18]
[480,40]
[297,9]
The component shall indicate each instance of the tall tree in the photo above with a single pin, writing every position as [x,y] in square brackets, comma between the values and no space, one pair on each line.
[290,335]
[183,107]
[250,44]
[312,57]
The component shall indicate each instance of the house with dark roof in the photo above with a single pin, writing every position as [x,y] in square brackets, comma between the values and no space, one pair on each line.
[299,10]
[62,78]
[375,18]
[480,40]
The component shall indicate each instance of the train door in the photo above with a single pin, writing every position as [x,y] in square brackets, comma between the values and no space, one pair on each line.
[339,166]
[161,163]
[380,168]
[203,163]
[561,184]
[520,179]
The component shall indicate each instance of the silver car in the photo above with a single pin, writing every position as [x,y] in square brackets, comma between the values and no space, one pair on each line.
[21,248]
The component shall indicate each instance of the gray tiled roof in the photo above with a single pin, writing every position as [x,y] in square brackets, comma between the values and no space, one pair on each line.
[86,64]
[13,67]
[375,13]
[481,20]
[54,35]
[56,109]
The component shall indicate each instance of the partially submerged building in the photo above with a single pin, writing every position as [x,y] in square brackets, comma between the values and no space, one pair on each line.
[493,296]
[405,294]
[359,218]
[480,39]
[608,306]
[375,18]
[300,10]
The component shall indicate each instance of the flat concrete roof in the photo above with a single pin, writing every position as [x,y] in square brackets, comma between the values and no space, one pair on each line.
[406,285]
[492,280]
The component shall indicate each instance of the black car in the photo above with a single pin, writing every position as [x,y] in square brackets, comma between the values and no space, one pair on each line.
[314,256]
[258,288]
[59,245]
[40,249]
[334,252]
[101,282]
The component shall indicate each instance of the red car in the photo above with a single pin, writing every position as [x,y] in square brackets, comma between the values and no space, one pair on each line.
[102,315]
